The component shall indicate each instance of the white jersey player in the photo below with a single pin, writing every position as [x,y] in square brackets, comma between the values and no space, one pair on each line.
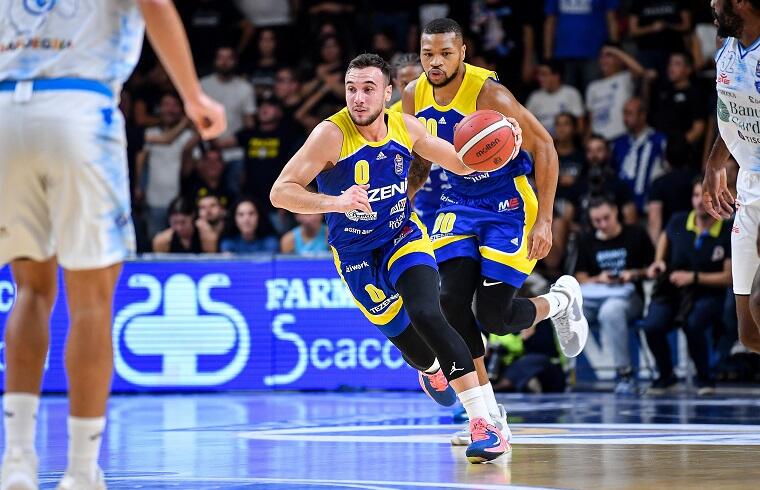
[738,90]
[64,199]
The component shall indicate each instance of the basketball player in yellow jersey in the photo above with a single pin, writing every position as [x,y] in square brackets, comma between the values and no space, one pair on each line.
[490,228]
[406,69]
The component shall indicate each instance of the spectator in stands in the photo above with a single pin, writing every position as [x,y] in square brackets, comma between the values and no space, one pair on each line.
[659,28]
[268,148]
[638,154]
[406,69]
[147,94]
[287,91]
[206,178]
[574,33]
[384,45]
[211,215]
[671,193]
[693,269]
[159,165]
[325,93]
[242,227]
[308,238]
[571,159]
[612,261]
[553,97]
[237,96]
[606,96]
[183,236]
[602,180]
[505,30]
[680,108]
[214,23]
[264,67]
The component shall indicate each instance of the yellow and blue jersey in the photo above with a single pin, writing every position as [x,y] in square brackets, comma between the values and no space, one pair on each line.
[372,250]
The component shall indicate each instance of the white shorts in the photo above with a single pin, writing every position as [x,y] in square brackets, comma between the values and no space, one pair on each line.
[744,258]
[64,184]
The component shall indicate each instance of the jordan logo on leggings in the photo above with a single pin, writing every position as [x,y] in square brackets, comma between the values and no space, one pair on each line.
[454,368]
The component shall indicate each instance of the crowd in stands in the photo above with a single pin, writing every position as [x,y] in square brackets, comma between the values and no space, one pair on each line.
[626,88]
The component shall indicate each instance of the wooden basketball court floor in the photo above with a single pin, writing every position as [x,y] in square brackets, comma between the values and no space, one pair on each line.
[383,441]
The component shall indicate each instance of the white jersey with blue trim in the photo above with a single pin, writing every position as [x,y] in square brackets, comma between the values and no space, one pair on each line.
[89,39]
[738,86]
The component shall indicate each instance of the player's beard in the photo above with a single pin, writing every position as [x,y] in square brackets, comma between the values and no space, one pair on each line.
[729,23]
[445,81]
[370,119]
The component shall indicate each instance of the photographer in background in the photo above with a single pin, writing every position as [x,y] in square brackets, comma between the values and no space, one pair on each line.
[612,261]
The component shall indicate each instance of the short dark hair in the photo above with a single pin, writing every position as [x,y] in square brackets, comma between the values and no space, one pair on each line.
[181,205]
[555,66]
[687,57]
[597,136]
[371,60]
[601,200]
[442,26]
[404,60]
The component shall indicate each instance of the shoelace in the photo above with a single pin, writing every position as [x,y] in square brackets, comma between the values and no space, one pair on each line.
[438,381]
[563,319]
[478,430]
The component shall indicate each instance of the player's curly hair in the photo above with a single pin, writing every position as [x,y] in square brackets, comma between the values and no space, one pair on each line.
[404,60]
[371,60]
[442,26]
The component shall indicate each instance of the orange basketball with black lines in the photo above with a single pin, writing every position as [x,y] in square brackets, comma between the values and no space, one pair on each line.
[485,140]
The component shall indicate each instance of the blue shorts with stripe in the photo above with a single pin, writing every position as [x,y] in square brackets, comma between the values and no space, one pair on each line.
[491,229]
[371,276]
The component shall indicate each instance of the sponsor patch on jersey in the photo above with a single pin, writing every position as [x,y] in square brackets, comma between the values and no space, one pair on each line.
[357,231]
[509,205]
[396,223]
[399,207]
[361,216]
[404,233]
[723,79]
[757,76]
[399,164]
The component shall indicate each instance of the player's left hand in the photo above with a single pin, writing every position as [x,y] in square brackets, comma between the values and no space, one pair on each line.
[207,115]
[540,240]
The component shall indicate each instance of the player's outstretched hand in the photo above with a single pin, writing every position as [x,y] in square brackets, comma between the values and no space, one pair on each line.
[540,240]
[716,197]
[355,198]
[207,115]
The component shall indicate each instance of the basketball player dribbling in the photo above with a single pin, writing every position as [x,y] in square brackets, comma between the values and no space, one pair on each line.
[360,158]
[64,199]
[738,87]
[490,228]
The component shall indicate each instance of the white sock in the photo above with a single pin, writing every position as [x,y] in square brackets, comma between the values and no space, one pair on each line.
[85,436]
[20,420]
[490,398]
[557,302]
[434,368]
[474,404]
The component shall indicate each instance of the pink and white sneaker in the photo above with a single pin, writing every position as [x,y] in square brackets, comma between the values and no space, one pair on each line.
[437,387]
[488,443]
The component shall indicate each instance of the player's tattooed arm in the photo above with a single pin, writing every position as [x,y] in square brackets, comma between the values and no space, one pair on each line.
[419,171]
[539,143]
[320,152]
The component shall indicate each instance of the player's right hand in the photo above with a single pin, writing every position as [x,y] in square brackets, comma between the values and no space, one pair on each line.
[207,115]
[355,198]
[716,197]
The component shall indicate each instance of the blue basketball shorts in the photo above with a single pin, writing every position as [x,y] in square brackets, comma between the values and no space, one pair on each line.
[371,276]
[491,229]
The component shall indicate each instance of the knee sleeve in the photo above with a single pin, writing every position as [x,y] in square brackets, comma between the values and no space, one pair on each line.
[414,349]
[459,281]
[500,313]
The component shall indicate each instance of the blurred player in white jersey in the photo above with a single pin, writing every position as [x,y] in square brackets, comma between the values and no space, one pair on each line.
[64,199]
[738,87]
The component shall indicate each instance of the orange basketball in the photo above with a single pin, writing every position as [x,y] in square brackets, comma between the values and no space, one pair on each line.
[485,141]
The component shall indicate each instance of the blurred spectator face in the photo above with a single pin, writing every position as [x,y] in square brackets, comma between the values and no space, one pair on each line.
[267,43]
[182,225]
[383,45]
[678,68]
[548,80]
[269,113]
[634,116]
[310,222]
[604,218]
[729,22]
[328,29]
[285,84]
[170,110]
[247,218]
[366,94]
[330,51]
[696,202]
[609,64]
[225,61]
[442,56]
[564,128]
[406,75]
[210,210]
[211,166]
[597,152]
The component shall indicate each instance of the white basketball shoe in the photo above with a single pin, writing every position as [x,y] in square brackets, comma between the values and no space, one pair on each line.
[77,481]
[19,470]
[570,324]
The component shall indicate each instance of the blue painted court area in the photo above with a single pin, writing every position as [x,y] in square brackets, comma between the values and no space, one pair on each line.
[401,441]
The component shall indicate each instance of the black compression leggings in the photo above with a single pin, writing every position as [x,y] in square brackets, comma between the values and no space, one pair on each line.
[430,335]
[496,308]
